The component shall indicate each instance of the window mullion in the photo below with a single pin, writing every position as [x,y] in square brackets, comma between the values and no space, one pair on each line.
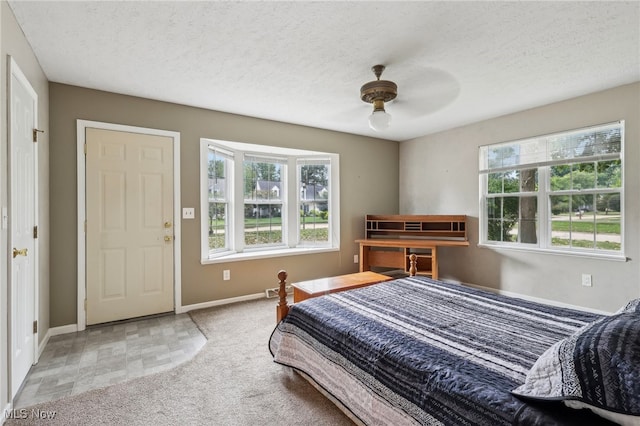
[544,209]
[293,203]
[237,203]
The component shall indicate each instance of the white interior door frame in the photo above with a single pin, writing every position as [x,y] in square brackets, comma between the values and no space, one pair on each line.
[81,125]
[16,72]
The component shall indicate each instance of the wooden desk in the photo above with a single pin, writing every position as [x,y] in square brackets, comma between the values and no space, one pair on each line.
[391,239]
[314,288]
[425,250]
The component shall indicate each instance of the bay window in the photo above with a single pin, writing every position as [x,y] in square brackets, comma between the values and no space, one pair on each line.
[259,201]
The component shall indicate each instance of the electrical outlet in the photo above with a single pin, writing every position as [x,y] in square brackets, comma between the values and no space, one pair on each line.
[586,280]
[226,275]
[355,258]
[188,213]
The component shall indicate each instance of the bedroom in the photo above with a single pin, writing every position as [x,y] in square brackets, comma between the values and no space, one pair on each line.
[447,160]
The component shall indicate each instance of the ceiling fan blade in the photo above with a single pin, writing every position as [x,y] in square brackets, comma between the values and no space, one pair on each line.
[424,92]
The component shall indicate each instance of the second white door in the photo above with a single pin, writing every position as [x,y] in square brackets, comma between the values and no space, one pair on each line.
[129,211]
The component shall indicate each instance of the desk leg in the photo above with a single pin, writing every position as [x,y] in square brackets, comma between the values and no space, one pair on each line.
[434,263]
[364,258]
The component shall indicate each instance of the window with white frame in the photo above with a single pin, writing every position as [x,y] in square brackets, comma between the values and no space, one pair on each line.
[560,192]
[218,174]
[262,201]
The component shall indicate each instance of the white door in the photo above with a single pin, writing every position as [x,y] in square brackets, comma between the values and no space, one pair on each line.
[23,217]
[129,212]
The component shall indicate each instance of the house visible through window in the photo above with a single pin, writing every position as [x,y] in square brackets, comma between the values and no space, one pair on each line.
[261,200]
[559,192]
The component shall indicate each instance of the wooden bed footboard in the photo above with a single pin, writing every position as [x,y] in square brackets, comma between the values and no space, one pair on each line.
[282,309]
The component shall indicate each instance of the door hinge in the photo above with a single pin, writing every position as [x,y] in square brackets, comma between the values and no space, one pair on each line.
[35,326]
[35,232]
[85,148]
[85,226]
[35,134]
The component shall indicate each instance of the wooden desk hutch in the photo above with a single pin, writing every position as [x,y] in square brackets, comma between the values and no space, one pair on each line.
[391,239]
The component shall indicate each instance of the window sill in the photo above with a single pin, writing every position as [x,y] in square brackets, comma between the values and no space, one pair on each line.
[585,254]
[264,254]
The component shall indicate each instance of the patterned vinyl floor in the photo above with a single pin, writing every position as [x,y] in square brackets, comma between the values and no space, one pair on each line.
[107,354]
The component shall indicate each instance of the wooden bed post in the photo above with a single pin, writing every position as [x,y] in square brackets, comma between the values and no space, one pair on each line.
[283,308]
[413,260]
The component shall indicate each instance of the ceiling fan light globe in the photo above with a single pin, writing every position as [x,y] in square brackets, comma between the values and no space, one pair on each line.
[379,120]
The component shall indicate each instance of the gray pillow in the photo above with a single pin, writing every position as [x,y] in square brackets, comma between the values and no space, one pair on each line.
[598,367]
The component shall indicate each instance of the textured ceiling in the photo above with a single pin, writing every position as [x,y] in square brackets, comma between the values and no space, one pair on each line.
[304,62]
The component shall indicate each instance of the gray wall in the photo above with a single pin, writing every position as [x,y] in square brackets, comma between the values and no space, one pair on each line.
[439,175]
[368,184]
[13,43]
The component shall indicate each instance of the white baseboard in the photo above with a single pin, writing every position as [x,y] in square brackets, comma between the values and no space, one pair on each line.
[187,308]
[54,331]
[64,329]
[72,328]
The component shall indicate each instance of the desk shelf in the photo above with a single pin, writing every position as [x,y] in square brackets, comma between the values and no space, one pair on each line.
[391,239]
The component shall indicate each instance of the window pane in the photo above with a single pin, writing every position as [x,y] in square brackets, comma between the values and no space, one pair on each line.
[217,172]
[560,177]
[609,174]
[582,204]
[608,204]
[502,219]
[217,226]
[217,168]
[314,205]
[494,208]
[511,208]
[576,224]
[495,183]
[262,224]
[583,228]
[608,236]
[583,176]
[560,223]
[262,181]
[528,228]
[314,221]
[512,181]
[528,180]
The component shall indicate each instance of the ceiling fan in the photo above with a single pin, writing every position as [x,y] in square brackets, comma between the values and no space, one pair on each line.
[425,90]
[377,92]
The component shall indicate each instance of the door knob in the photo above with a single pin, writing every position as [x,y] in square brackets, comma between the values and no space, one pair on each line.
[168,238]
[21,252]
[167,224]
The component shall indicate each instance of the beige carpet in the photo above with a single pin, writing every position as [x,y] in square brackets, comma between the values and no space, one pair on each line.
[232,381]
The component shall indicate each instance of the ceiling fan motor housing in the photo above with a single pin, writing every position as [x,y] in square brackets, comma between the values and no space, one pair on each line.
[377,92]
[383,90]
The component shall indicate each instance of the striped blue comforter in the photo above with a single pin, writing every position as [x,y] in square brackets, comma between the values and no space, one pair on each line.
[419,351]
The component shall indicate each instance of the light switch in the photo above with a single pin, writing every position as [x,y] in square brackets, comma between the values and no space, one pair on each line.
[188,213]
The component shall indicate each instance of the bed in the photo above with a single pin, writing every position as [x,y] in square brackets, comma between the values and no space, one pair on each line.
[420,351]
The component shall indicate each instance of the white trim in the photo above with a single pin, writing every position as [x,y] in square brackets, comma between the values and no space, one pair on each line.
[81,126]
[55,331]
[574,253]
[220,302]
[64,329]
[265,254]
[15,71]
